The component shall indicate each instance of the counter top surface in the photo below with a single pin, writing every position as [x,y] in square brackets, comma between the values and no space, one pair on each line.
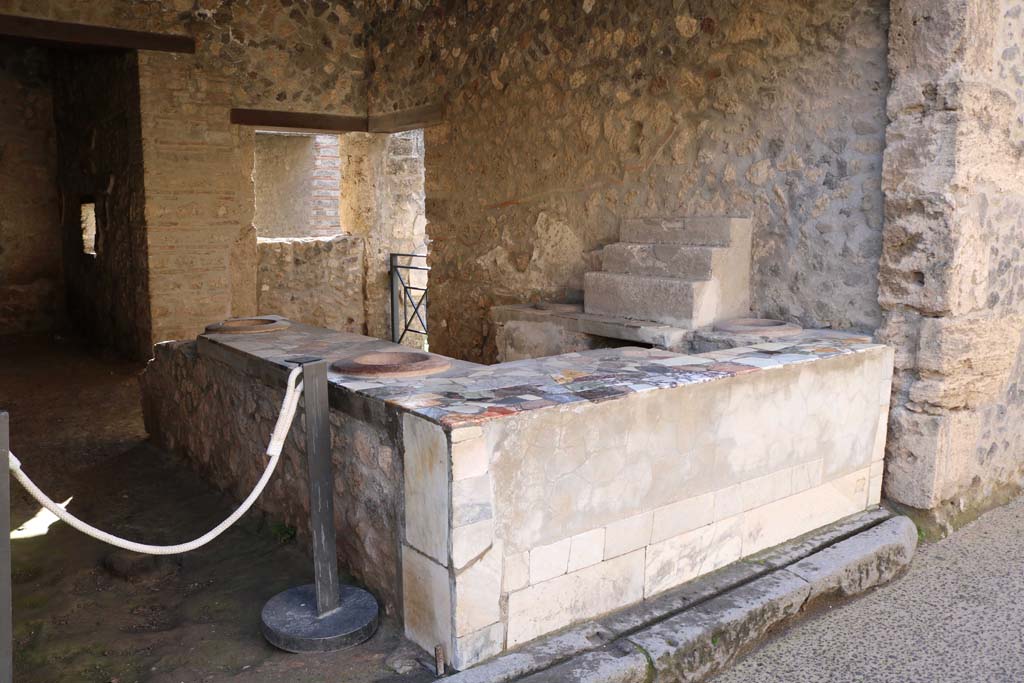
[468,393]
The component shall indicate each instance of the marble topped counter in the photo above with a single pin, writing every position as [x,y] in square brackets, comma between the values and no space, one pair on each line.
[468,393]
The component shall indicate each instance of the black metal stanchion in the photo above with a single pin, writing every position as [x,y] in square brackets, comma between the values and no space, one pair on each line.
[6,625]
[321,616]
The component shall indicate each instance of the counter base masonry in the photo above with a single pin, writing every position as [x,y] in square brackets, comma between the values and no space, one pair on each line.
[488,505]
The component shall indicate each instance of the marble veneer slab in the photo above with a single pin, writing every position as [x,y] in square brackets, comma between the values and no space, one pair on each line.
[469,393]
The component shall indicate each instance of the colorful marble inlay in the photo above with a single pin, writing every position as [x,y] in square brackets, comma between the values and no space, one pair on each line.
[469,393]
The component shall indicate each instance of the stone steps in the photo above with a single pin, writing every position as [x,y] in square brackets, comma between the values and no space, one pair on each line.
[664,260]
[685,272]
[671,301]
[691,230]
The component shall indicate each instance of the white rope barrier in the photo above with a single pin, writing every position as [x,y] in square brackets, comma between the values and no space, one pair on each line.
[284,423]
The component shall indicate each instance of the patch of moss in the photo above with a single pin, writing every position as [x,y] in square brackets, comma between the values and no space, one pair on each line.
[282,533]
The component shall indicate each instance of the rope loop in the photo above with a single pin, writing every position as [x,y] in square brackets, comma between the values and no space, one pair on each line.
[289,406]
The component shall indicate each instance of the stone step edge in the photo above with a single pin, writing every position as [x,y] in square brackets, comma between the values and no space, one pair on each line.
[769,588]
[612,274]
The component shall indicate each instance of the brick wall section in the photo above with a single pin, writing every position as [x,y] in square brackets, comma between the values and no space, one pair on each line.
[564,118]
[952,281]
[326,212]
[31,290]
[99,147]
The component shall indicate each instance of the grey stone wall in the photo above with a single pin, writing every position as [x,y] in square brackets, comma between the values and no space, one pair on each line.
[99,148]
[317,281]
[564,118]
[31,289]
[221,419]
[952,279]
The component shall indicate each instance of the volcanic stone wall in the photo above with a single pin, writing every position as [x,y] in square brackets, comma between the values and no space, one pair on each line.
[952,272]
[31,292]
[564,118]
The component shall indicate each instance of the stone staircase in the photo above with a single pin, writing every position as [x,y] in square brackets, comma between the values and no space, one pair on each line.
[686,272]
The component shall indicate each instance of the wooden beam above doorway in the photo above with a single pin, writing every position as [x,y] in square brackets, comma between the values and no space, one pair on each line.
[67,34]
[269,119]
[309,122]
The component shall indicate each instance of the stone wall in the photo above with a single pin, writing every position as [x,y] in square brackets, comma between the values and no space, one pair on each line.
[99,148]
[31,291]
[564,118]
[302,56]
[297,180]
[221,419]
[382,199]
[315,280]
[951,270]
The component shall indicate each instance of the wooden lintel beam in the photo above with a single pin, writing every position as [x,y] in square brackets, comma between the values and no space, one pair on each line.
[268,119]
[407,119]
[395,122]
[67,34]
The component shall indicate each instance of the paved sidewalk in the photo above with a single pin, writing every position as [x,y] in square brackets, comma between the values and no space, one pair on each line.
[958,615]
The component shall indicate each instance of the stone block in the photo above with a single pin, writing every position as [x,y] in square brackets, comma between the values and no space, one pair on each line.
[427,603]
[574,597]
[686,515]
[586,549]
[688,555]
[469,458]
[767,489]
[469,541]
[928,455]
[549,561]
[696,230]
[471,500]
[627,535]
[799,513]
[478,593]
[616,663]
[661,260]
[475,647]
[868,559]
[806,475]
[517,572]
[666,300]
[702,639]
[426,487]
[813,541]
[965,362]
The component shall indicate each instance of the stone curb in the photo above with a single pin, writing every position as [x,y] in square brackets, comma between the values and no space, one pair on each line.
[693,631]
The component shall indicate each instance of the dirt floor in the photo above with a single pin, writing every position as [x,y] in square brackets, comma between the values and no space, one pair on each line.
[85,612]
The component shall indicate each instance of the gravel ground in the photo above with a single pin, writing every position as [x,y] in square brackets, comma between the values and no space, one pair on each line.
[958,615]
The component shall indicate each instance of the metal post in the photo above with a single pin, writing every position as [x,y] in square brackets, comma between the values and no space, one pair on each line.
[321,485]
[396,325]
[6,621]
[324,615]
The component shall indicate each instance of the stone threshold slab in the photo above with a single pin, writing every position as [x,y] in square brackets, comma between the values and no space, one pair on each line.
[697,629]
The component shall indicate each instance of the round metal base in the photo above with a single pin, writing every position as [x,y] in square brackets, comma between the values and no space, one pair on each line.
[290,621]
